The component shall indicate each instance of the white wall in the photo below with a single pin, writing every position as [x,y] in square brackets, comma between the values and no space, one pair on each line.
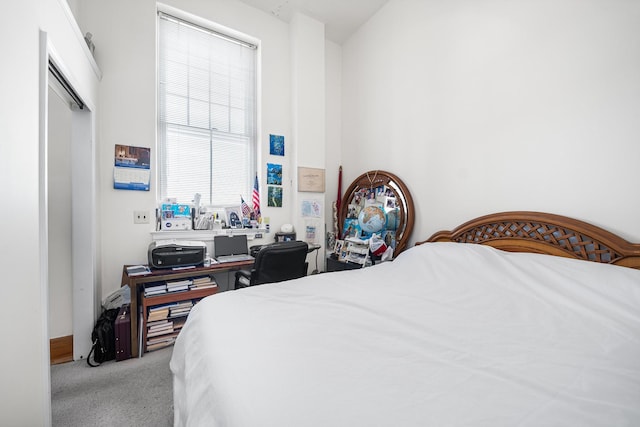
[124,36]
[333,86]
[23,384]
[496,105]
[24,370]
[308,121]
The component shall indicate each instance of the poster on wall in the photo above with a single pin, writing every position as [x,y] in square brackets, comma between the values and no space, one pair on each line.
[274,196]
[276,145]
[311,208]
[274,174]
[132,168]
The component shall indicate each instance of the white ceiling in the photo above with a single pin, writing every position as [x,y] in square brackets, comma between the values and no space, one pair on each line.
[341,17]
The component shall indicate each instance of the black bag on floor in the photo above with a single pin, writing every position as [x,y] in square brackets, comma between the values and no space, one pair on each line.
[103,338]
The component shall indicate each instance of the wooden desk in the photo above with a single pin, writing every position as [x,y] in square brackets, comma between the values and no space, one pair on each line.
[136,284]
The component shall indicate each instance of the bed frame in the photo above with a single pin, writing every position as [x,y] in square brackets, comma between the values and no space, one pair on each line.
[544,233]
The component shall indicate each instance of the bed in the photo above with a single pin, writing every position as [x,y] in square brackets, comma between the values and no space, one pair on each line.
[512,319]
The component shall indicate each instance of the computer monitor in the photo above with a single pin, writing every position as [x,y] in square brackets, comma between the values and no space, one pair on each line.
[230,245]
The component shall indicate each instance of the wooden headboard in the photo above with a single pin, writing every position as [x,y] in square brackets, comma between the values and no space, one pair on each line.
[544,233]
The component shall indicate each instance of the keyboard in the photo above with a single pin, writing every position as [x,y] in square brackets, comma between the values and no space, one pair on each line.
[234,258]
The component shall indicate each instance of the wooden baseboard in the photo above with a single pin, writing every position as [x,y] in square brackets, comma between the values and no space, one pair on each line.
[61,349]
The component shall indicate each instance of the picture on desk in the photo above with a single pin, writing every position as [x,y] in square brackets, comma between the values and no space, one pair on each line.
[234,217]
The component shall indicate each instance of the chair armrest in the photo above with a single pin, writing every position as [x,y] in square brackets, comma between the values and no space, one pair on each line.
[243,279]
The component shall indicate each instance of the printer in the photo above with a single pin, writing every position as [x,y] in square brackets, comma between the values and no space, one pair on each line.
[176,253]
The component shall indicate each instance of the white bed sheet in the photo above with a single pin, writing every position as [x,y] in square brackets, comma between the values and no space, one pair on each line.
[448,334]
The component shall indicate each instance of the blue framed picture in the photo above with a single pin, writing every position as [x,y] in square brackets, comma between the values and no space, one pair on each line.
[276,145]
[274,174]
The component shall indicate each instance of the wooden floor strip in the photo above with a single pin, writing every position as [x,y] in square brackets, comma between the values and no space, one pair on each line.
[61,349]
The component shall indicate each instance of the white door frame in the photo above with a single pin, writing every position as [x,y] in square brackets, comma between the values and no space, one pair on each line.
[86,294]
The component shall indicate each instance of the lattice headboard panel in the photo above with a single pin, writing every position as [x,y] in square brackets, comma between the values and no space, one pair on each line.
[545,233]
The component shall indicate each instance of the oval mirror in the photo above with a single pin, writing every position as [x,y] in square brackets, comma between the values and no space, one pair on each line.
[377,202]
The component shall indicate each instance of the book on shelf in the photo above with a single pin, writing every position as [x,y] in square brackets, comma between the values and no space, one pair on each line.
[162,306]
[201,279]
[159,332]
[161,341]
[155,288]
[182,304]
[178,285]
[203,282]
[164,338]
[158,325]
[179,314]
[138,270]
[204,286]
[151,347]
[179,323]
[158,315]
[177,289]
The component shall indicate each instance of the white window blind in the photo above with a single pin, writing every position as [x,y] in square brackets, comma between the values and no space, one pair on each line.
[206,114]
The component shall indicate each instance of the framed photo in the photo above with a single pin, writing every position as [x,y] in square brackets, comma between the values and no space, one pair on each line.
[234,217]
[338,247]
[274,196]
[311,179]
[390,203]
[276,145]
[343,255]
[274,174]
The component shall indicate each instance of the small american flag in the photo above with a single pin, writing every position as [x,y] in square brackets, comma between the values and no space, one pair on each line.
[246,210]
[255,199]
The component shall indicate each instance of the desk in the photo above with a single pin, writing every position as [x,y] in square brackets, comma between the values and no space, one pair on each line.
[159,275]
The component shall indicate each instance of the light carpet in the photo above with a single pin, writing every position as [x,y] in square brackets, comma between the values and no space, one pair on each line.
[134,392]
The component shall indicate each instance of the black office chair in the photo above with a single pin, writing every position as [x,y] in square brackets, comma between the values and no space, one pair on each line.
[275,262]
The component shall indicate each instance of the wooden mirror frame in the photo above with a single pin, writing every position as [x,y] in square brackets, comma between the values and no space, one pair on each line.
[377,178]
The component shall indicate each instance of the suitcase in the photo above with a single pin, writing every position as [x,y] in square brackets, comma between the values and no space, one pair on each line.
[123,333]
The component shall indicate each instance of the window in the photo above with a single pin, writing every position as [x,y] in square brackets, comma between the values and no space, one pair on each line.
[206,114]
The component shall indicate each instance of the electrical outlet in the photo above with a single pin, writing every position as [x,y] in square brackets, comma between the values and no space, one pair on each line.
[141,217]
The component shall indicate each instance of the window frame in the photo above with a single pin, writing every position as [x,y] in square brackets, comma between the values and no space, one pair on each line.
[214,30]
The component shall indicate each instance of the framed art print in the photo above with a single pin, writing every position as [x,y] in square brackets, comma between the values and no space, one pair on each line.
[276,145]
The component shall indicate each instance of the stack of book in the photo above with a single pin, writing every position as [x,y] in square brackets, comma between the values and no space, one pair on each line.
[158,312]
[160,329]
[203,282]
[181,309]
[178,285]
[161,340]
[138,270]
[178,323]
[156,288]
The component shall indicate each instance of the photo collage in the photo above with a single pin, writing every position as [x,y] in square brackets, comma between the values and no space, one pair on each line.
[370,211]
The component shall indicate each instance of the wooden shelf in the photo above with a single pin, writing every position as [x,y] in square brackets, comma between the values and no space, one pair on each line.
[170,297]
[141,303]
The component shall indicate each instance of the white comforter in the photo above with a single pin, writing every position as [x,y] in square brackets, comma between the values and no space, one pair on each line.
[446,335]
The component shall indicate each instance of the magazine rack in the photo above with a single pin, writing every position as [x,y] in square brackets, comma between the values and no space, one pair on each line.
[396,193]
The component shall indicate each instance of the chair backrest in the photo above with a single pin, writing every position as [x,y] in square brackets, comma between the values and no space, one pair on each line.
[280,261]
